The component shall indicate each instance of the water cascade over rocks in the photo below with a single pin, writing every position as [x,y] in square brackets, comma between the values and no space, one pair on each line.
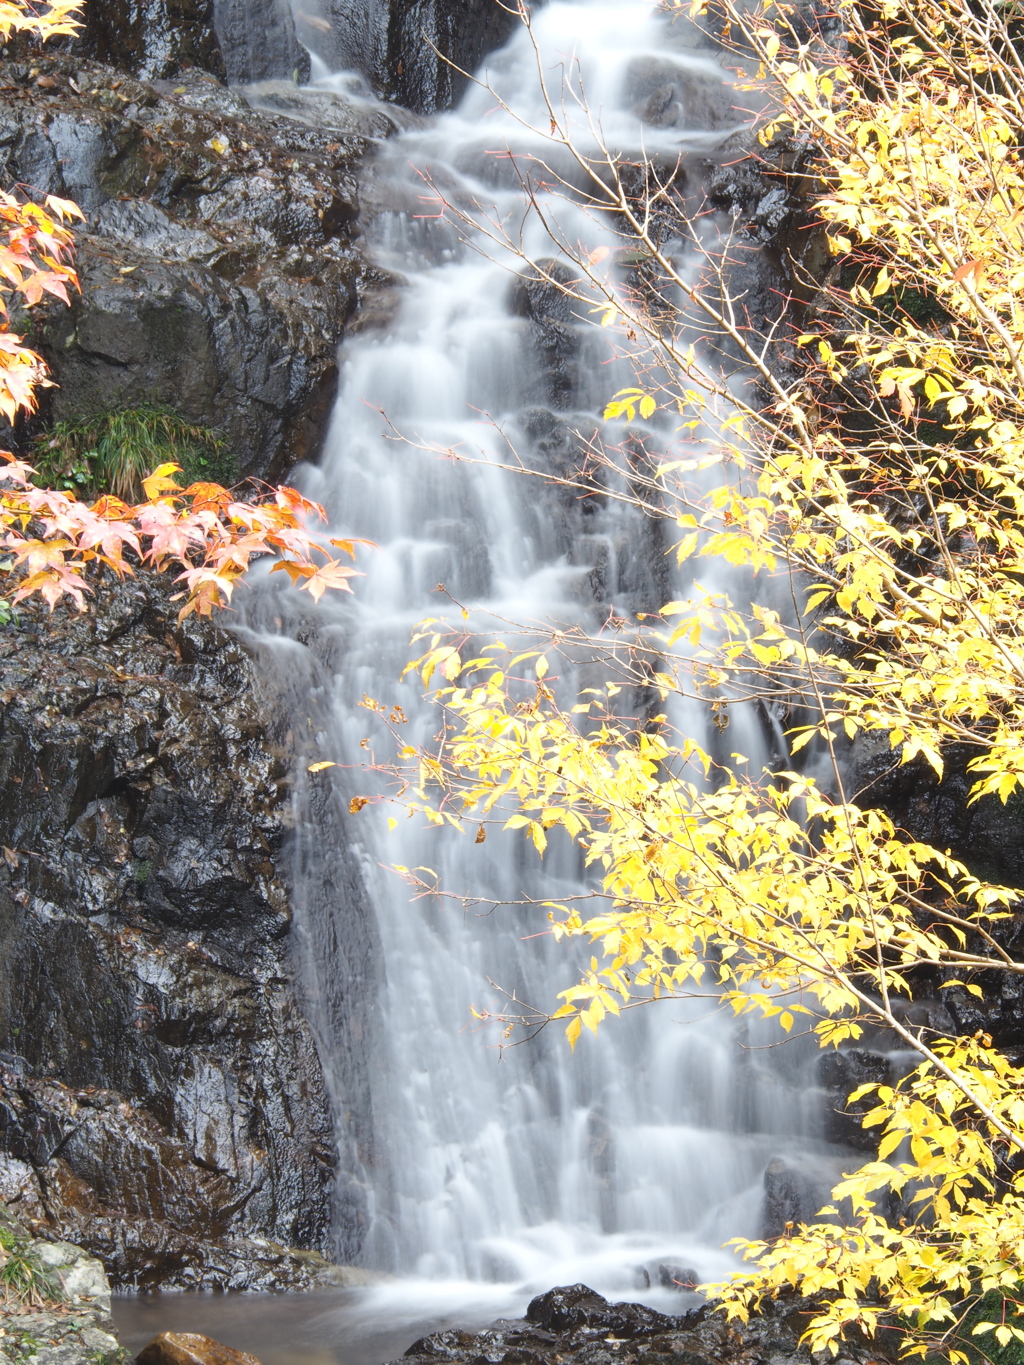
[640,1154]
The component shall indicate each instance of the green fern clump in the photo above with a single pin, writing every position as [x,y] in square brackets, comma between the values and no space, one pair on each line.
[22,1278]
[113,451]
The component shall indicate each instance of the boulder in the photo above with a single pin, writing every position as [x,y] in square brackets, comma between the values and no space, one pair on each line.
[681,92]
[191,1348]
[678,1278]
[80,1278]
[576,1306]
[67,1319]
[565,1309]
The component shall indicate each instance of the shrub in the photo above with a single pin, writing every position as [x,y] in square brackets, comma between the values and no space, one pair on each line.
[114,450]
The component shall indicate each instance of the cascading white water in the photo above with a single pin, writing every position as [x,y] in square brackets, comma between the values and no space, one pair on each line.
[459,1162]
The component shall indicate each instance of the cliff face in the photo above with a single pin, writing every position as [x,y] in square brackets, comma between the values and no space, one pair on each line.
[161,1102]
[219,261]
[417,53]
[391,42]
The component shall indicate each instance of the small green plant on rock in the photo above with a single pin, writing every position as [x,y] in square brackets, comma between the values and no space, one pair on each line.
[113,451]
[22,1278]
[118,1356]
[19,1346]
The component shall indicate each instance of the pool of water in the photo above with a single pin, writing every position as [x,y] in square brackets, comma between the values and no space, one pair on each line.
[328,1327]
[344,1326]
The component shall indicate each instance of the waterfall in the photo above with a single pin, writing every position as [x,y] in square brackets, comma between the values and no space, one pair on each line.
[460,1161]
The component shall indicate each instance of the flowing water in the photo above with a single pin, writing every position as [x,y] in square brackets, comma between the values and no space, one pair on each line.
[481,1175]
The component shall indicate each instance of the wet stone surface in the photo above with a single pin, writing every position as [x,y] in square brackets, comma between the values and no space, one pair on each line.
[67,1321]
[191,1348]
[219,261]
[161,1102]
[575,1324]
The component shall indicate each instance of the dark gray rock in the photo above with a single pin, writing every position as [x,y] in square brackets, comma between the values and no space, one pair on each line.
[219,263]
[258,41]
[986,837]
[839,1074]
[554,324]
[154,39]
[412,52]
[575,1306]
[161,1102]
[677,1277]
[792,1195]
[576,1326]
[667,94]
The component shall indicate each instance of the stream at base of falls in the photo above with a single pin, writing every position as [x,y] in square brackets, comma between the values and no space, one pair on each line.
[326,1327]
[364,1326]
[479,1176]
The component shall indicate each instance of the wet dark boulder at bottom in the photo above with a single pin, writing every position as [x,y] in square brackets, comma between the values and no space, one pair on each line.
[161,1100]
[566,1309]
[574,1325]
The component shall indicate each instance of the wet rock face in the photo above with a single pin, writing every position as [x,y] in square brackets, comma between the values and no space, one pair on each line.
[986,837]
[412,52]
[154,39]
[791,1196]
[161,1102]
[575,1325]
[553,321]
[218,262]
[839,1074]
[258,42]
[463,32]
[765,202]
[391,42]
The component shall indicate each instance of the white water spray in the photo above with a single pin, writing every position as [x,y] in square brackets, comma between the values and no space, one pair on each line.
[461,1164]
